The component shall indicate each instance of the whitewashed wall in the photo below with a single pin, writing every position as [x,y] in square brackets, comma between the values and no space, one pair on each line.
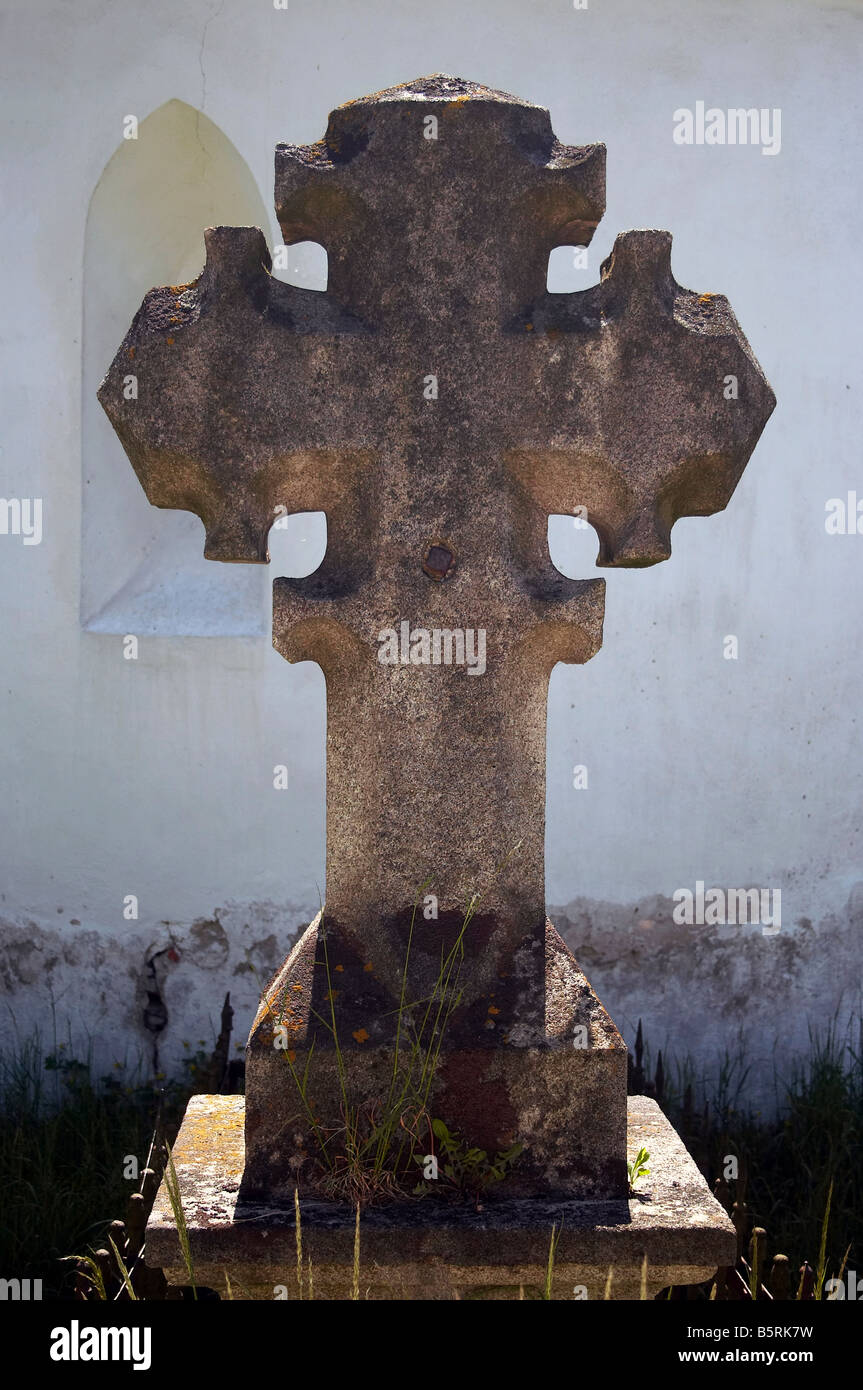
[154,777]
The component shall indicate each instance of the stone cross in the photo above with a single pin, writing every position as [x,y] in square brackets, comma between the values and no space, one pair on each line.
[437,403]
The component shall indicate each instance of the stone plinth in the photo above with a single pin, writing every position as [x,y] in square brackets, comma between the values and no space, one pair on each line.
[431,1249]
[536,1062]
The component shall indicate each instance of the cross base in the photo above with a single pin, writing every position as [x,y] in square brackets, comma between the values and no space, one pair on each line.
[434,1250]
[534,1060]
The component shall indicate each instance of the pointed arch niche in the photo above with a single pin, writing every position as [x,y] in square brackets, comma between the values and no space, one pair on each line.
[142,569]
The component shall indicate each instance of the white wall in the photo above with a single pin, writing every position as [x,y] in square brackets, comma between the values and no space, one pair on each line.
[154,776]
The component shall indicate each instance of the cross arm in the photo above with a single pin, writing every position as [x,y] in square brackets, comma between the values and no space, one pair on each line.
[656,403]
[224,394]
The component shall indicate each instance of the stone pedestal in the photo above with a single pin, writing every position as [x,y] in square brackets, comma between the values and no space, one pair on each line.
[535,1059]
[672,1232]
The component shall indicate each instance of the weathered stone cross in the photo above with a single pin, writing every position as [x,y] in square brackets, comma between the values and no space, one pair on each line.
[438,404]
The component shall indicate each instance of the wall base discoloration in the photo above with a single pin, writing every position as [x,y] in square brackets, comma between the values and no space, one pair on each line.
[90,988]
[704,991]
[700,991]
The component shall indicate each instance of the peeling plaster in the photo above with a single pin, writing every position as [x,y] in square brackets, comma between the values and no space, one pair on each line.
[705,990]
[700,991]
[90,987]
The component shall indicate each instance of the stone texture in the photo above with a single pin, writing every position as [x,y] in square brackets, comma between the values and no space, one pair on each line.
[432,1249]
[528,1090]
[255,397]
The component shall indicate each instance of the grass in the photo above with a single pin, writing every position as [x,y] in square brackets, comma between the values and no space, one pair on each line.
[552,1255]
[372,1154]
[65,1136]
[172,1186]
[799,1167]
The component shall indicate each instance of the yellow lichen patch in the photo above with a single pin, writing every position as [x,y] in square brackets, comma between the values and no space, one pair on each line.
[361,1035]
[296,986]
[705,298]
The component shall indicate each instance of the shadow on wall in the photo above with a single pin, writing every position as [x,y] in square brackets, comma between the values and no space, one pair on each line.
[143,570]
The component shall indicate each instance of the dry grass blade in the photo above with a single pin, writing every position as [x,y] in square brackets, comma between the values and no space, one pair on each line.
[124,1273]
[822,1249]
[172,1186]
[298,1236]
[355,1281]
[552,1252]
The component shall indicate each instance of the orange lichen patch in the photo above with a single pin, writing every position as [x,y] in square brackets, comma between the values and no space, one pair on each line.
[292,1056]
[296,987]
[492,1009]
[705,298]
[174,318]
[361,1035]
[178,289]
[341,969]
[528,328]
[131,352]
[368,967]
[170,341]
[332,994]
